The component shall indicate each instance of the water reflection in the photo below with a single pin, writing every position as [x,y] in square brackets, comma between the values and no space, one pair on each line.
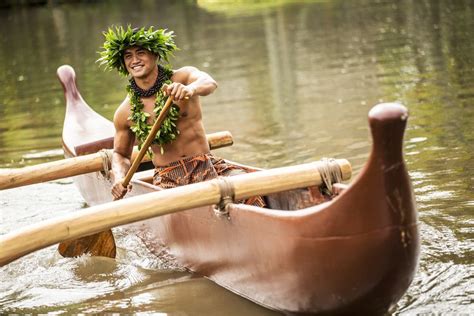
[296,82]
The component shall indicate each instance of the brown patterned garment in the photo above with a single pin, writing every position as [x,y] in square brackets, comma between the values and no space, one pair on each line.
[198,168]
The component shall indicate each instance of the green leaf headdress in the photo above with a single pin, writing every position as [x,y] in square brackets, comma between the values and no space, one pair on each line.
[159,42]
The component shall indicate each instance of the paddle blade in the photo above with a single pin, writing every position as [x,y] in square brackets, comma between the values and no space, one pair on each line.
[100,244]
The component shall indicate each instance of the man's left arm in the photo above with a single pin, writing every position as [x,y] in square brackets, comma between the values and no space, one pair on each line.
[189,82]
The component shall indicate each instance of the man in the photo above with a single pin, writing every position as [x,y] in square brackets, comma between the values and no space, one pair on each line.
[181,152]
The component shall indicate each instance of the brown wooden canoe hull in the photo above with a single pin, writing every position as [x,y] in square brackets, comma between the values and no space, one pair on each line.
[288,267]
[355,254]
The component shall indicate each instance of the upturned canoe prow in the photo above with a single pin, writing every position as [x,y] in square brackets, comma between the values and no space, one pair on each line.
[67,77]
[82,124]
[373,227]
[387,123]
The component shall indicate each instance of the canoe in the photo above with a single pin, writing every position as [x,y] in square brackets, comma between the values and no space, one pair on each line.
[353,254]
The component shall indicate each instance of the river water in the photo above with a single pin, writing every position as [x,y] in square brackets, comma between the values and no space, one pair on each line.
[296,81]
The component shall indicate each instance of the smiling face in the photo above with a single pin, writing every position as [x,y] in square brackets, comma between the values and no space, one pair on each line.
[140,63]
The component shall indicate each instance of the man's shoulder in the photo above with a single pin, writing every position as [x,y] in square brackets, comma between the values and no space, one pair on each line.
[186,69]
[183,73]
[123,111]
[125,105]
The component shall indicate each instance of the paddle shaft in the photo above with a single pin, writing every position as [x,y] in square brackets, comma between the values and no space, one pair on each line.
[101,217]
[149,139]
[12,178]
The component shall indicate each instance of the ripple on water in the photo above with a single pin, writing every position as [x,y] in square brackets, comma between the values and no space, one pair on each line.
[440,287]
[53,153]
[45,280]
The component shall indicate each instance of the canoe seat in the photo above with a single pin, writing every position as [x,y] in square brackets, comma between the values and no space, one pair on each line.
[148,179]
[95,146]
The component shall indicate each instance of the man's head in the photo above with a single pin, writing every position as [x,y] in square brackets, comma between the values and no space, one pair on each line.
[117,40]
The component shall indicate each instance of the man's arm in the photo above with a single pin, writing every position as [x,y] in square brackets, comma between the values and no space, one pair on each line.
[189,81]
[123,147]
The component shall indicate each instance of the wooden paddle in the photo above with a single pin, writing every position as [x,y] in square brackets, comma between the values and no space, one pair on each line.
[105,216]
[13,178]
[103,243]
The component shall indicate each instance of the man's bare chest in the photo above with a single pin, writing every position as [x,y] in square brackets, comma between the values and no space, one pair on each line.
[185,109]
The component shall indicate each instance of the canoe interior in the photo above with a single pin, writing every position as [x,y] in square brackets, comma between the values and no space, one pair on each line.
[287,200]
[290,200]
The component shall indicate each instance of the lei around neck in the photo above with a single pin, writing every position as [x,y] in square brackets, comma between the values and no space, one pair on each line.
[168,130]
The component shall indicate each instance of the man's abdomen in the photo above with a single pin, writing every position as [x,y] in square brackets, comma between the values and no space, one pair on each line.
[190,142]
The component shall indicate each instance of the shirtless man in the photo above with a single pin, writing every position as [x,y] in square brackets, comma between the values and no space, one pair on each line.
[188,84]
[187,158]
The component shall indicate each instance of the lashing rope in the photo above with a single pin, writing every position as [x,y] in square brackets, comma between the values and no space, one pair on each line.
[106,155]
[330,173]
[227,193]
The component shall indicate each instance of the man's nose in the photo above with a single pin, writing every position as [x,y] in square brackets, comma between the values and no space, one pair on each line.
[134,58]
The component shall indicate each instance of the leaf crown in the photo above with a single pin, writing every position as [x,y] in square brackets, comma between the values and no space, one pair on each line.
[160,42]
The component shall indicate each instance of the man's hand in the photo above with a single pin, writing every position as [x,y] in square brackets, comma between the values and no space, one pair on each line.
[179,91]
[119,191]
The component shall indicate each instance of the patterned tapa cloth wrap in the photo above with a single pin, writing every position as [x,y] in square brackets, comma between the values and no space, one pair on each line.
[198,168]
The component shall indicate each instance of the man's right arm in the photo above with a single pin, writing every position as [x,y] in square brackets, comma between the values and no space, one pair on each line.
[123,147]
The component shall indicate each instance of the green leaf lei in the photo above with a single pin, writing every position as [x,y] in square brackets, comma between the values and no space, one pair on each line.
[168,131]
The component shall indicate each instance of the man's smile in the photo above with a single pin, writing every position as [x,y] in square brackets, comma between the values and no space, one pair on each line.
[137,67]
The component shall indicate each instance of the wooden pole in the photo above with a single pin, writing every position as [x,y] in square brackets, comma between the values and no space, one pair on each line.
[101,217]
[12,178]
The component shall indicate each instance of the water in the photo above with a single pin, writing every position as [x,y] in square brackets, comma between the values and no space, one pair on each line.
[296,80]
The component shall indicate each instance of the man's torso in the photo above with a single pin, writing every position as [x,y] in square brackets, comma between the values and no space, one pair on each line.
[192,136]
